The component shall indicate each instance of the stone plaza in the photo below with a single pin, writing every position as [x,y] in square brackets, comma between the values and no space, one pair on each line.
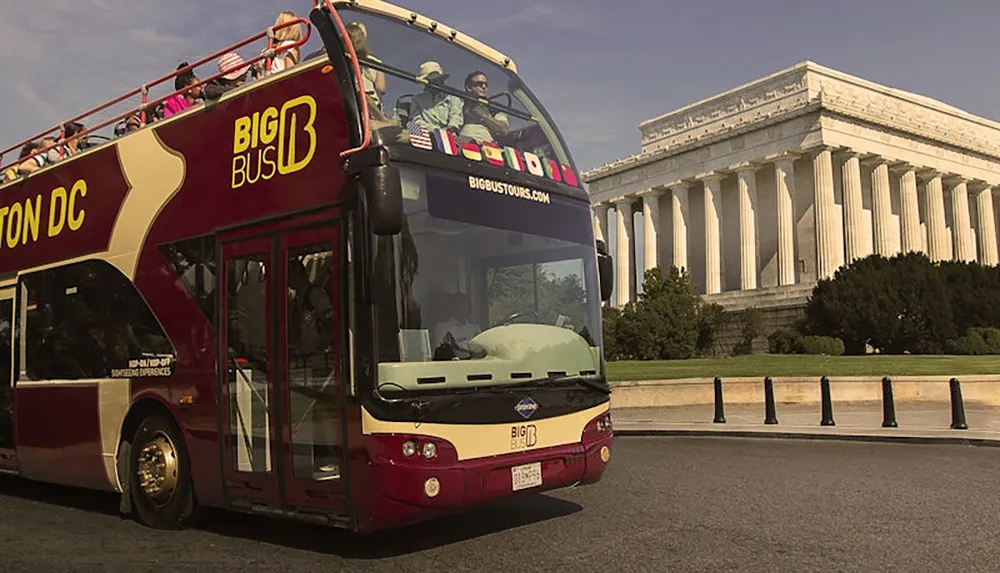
[761,191]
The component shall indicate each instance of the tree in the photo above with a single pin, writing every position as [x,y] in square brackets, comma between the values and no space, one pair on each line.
[896,305]
[668,321]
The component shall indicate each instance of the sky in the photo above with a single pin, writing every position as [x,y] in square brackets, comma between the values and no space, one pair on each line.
[600,68]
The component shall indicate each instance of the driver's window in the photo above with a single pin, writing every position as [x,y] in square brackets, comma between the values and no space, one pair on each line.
[542,293]
[511,290]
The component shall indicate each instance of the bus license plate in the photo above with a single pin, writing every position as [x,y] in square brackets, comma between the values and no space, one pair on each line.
[524,477]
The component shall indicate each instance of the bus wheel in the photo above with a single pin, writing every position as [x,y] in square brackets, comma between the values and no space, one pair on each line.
[160,479]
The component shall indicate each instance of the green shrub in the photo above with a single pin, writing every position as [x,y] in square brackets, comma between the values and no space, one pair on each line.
[977,342]
[991,336]
[904,304]
[669,321]
[751,326]
[827,345]
[784,341]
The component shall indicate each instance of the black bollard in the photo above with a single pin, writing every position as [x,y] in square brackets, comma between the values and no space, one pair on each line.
[824,386]
[957,406]
[888,406]
[720,415]
[769,415]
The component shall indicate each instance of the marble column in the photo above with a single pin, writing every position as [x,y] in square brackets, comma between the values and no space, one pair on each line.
[623,276]
[713,240]
[650,228]
[961,223]
[909,211]
[680,212]
[987,232]
[937,237]
[885,243]
[600,221]
[746,177]
[829,243]
[784,176]
[855,245]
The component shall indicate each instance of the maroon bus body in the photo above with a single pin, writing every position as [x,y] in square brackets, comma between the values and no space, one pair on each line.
[385,489]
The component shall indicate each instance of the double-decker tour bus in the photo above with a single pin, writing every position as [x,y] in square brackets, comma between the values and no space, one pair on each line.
[362,291]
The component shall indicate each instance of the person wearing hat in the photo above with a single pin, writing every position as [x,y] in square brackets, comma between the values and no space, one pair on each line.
[434,108]
[234,73]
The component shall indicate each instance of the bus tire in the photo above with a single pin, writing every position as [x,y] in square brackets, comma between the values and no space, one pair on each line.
[160,476]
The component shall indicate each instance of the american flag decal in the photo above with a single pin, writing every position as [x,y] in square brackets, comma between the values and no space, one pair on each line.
[419,136]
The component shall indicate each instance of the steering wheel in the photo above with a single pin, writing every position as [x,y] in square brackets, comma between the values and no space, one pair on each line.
[530,312]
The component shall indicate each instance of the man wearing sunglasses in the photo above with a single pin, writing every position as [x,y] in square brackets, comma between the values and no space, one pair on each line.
[480,124]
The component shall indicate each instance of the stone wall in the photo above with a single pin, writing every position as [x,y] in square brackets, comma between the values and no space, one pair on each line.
[780,307]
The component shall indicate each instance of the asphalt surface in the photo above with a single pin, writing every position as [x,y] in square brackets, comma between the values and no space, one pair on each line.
[667,504]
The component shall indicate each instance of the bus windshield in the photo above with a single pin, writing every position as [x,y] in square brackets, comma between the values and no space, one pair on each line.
[485,288]
[417,81]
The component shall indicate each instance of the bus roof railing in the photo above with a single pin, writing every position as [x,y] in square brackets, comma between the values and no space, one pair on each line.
[143,91]
[366,133]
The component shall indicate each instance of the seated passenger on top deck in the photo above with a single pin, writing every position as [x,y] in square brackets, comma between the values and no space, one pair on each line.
[284,37]
[182,101]
[480,123]
[29,165]
[68,147]
[234,75]
[434,108]
[373,81]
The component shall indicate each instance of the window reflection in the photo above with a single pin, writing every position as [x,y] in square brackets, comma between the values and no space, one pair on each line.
[549,293]
[312,366]
[194,262]
[465,263]
[85,320]
[413,78]
[6,376]
[249,418]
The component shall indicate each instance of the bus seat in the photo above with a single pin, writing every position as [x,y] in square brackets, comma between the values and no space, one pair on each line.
[403,108]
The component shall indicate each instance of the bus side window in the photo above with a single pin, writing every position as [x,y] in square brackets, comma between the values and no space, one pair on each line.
[86,320]
[6,375]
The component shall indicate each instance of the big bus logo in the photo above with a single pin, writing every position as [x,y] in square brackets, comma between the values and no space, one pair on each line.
[523,437]
[269,143]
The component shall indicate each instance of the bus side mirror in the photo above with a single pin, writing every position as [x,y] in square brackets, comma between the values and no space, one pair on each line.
[605,268]
[384,190]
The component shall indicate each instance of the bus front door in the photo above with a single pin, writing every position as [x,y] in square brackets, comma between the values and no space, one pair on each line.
[310,347]
[281,411]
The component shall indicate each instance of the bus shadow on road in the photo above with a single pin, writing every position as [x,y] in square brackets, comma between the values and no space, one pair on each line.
[68,497]
[439,532]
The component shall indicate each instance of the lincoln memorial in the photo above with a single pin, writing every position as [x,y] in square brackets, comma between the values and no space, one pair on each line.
[760,191]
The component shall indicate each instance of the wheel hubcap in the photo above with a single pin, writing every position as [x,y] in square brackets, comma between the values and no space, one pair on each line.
[157,469]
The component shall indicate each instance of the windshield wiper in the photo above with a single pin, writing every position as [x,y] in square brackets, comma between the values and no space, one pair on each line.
[545,383]
[593,384]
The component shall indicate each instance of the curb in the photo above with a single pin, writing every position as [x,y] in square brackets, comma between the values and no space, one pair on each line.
[806,435]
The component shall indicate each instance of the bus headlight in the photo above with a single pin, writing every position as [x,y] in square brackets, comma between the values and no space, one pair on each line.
[430,450]
[409,448]
[604,423]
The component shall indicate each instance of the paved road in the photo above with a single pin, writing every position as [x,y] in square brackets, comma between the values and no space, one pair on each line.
[668,504]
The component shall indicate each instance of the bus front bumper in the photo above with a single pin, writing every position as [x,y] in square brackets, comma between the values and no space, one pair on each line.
[418,489]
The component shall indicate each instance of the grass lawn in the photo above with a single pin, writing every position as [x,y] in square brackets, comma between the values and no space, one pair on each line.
[775,365]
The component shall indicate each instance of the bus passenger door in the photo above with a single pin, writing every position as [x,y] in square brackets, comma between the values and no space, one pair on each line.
[309,343]
[249,371]
[8,458]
